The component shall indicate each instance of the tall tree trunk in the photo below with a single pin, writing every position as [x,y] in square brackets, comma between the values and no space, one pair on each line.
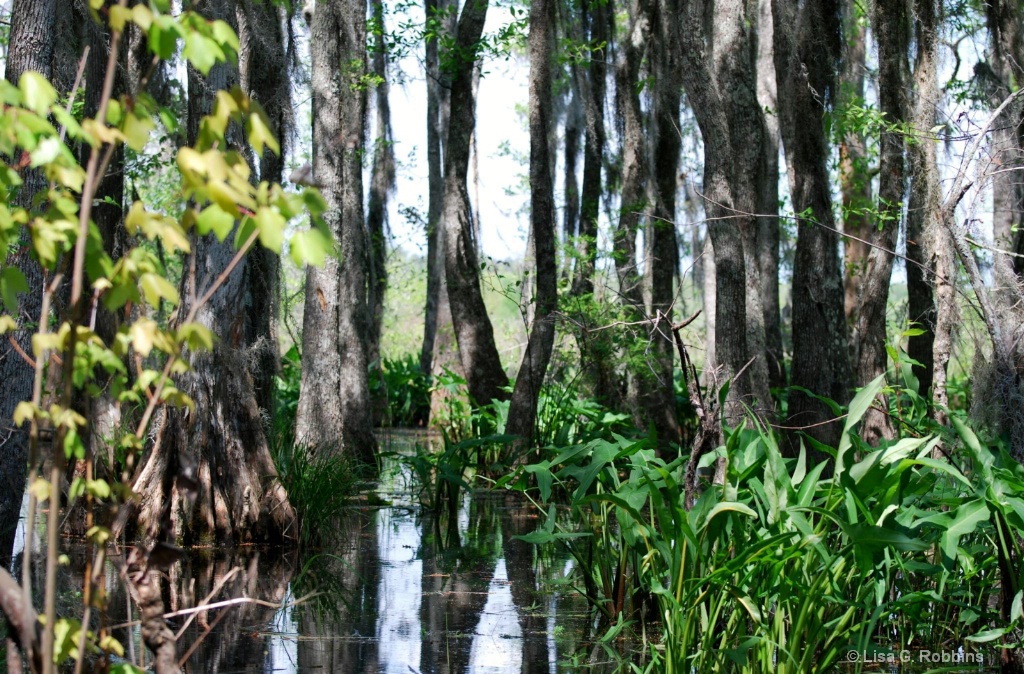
[522,413]
[31,47]
[572,189]
[220,449]
[659,392]
[594,87]
[334,403]
[891,28]
[436,130]
[633,201]
[807,38]
[925,199]
[733,43]
[633,197]
[484,373]
[382,183]
[263,75]
[725,224]
[768,226]
[854,166]
[1006,49]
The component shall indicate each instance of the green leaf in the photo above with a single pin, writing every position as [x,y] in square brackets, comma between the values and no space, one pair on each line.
[155,287]
[271,225]
[966,519]
[310,247]
[202,52]
[858,408]
[38,92]
[12,282]
[136,131]
[215,219]
[260,135]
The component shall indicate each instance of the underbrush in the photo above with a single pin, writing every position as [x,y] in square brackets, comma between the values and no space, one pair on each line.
[779,569]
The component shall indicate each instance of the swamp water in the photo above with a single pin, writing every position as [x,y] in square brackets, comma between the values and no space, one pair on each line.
[399,591]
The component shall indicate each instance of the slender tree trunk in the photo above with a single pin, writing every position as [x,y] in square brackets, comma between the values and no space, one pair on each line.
[572,189]
[658,393]
[102,410]
[725,224]
[734,36]
[522,413]
[484,373]
[382,183]
[807,38]
[263,75]
[923,229]
[31,47]
[633,201]
[768,227]
[1006,72]
[334,403]
[891,28]
[436,128]
[595,15]
[854,168]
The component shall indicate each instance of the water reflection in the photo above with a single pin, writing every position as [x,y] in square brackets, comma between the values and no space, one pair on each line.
[401,591]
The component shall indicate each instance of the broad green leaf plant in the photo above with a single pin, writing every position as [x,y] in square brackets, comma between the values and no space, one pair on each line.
[64,241]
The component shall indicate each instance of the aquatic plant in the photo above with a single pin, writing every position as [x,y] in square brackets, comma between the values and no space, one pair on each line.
[781,569]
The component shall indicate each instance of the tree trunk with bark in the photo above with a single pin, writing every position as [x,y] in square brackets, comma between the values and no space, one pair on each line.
[854,167]
[658,392]
[923,229]
[768,226]
[334,412]
[725,223]
[31,46]
[891,30]
[593,86]
[633,202]
[477,350]
[807,38]
[435,189]
[382,184]
[263,75]
[522,413]
[211,468]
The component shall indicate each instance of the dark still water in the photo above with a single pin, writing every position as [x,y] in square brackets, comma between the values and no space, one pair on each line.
[400,590]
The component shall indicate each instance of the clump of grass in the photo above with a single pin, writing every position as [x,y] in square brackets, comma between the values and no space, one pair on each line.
[320,485]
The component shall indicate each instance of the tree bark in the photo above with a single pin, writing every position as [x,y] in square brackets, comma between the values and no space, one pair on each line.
[209,473]
[435,190]
[522,413]
[31,46]
[726,222]
[334,412]
[633,201]
[891,28]
[768,226]
[658,392]
[807,38]
[924,232]
[382,183]
[593,87]
[479,355]
[263,75]
[854,168]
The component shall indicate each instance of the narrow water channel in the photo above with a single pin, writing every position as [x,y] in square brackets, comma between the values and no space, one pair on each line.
[400,591]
